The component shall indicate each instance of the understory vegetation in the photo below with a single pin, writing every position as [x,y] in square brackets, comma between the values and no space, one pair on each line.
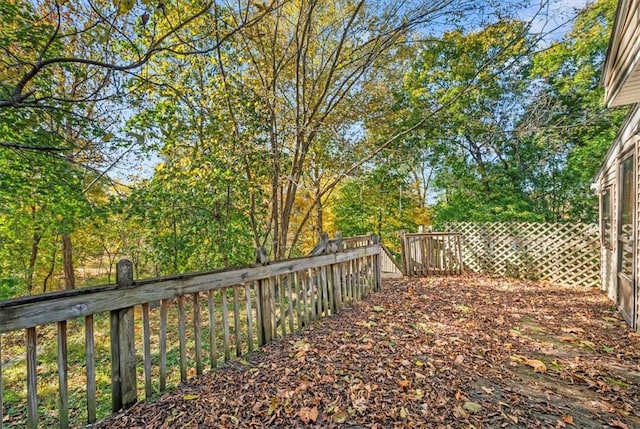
[184,135]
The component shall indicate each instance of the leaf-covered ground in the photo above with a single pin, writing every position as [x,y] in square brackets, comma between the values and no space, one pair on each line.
[450,352]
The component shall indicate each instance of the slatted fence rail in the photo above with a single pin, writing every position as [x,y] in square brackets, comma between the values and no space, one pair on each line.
[215,316]
[431,253]
[562,253]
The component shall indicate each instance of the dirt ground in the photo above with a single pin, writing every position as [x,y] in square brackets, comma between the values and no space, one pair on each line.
[455,352]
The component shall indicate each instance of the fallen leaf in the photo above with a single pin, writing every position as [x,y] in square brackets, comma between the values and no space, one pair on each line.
[403,383]
[618,424]
[487,390]
[472,407]
[190,397]
[403,413]
[378,308]
[538,366]
[572,330]
[308,415]
[567,419]
[340,416]
[275,401]
[459,359]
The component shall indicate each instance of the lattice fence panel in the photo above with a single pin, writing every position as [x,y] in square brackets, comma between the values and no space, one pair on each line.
[562,253]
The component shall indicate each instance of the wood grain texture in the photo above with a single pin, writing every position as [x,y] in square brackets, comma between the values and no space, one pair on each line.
[90,361]
[32,381]
[63,376]
[56,307]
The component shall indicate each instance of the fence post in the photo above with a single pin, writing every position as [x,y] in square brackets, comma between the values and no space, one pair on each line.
[377,265]
[404,252]
[123,346]
[266,300]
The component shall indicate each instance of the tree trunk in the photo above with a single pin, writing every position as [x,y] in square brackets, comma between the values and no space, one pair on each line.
[67,262]
[35,240]
[52,266]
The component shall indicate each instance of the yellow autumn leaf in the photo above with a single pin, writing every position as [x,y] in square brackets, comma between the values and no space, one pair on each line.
[538,366]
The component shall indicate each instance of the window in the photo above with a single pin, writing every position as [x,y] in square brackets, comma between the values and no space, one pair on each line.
[605,218]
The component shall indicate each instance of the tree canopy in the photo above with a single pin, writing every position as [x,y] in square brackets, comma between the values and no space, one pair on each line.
[185,134]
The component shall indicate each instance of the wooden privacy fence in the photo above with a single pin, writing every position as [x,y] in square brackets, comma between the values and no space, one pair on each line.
[431,253]
[562,253]
[213,316]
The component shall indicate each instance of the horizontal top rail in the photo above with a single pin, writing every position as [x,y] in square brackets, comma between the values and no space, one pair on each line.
[431,234]
[358,238]
[28,312]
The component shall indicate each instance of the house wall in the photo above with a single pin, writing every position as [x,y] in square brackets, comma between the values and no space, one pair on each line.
[626,142]
[621,77]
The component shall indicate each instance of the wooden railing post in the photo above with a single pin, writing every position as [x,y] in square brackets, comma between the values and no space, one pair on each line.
[404,248]
[123,350]
[377,265]
[266,301]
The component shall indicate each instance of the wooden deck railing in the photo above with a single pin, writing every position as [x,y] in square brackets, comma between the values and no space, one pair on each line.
[227,313]
[431,253]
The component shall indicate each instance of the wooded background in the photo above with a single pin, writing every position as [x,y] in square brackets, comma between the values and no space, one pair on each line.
[184,135]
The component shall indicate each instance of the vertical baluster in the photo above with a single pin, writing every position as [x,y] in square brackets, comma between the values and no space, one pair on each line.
[298,289]
[90,361]
[225,324]
[305,287]
[63,384]
[182,334]
[213,348]
[236,320]
[325,289]
[313,290]
[257,285]
[331,282]
[289,280]
[318,283]
[32,382]
[358,267]
[163,345]
[146,345]
[197,331]
[273,328]
[247,291]
[280,283]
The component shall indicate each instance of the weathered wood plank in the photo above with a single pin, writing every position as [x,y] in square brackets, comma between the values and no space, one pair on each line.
[213,334]
[237,331]
[32,380]
[299,309]
[325,290]
[259,316]
[289,282]
[63,379]
[197,331]
[163,344]
[56,307]
[116,382]
[225,324]
[337,287]
[279,283]
[250,332]
[182,339]
[313,293]
[128,376]
[305,285]
[271,304]
[90,362]
[146,346]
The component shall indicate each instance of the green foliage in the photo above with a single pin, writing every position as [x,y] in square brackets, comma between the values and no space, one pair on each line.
[380,202]
[512,132]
